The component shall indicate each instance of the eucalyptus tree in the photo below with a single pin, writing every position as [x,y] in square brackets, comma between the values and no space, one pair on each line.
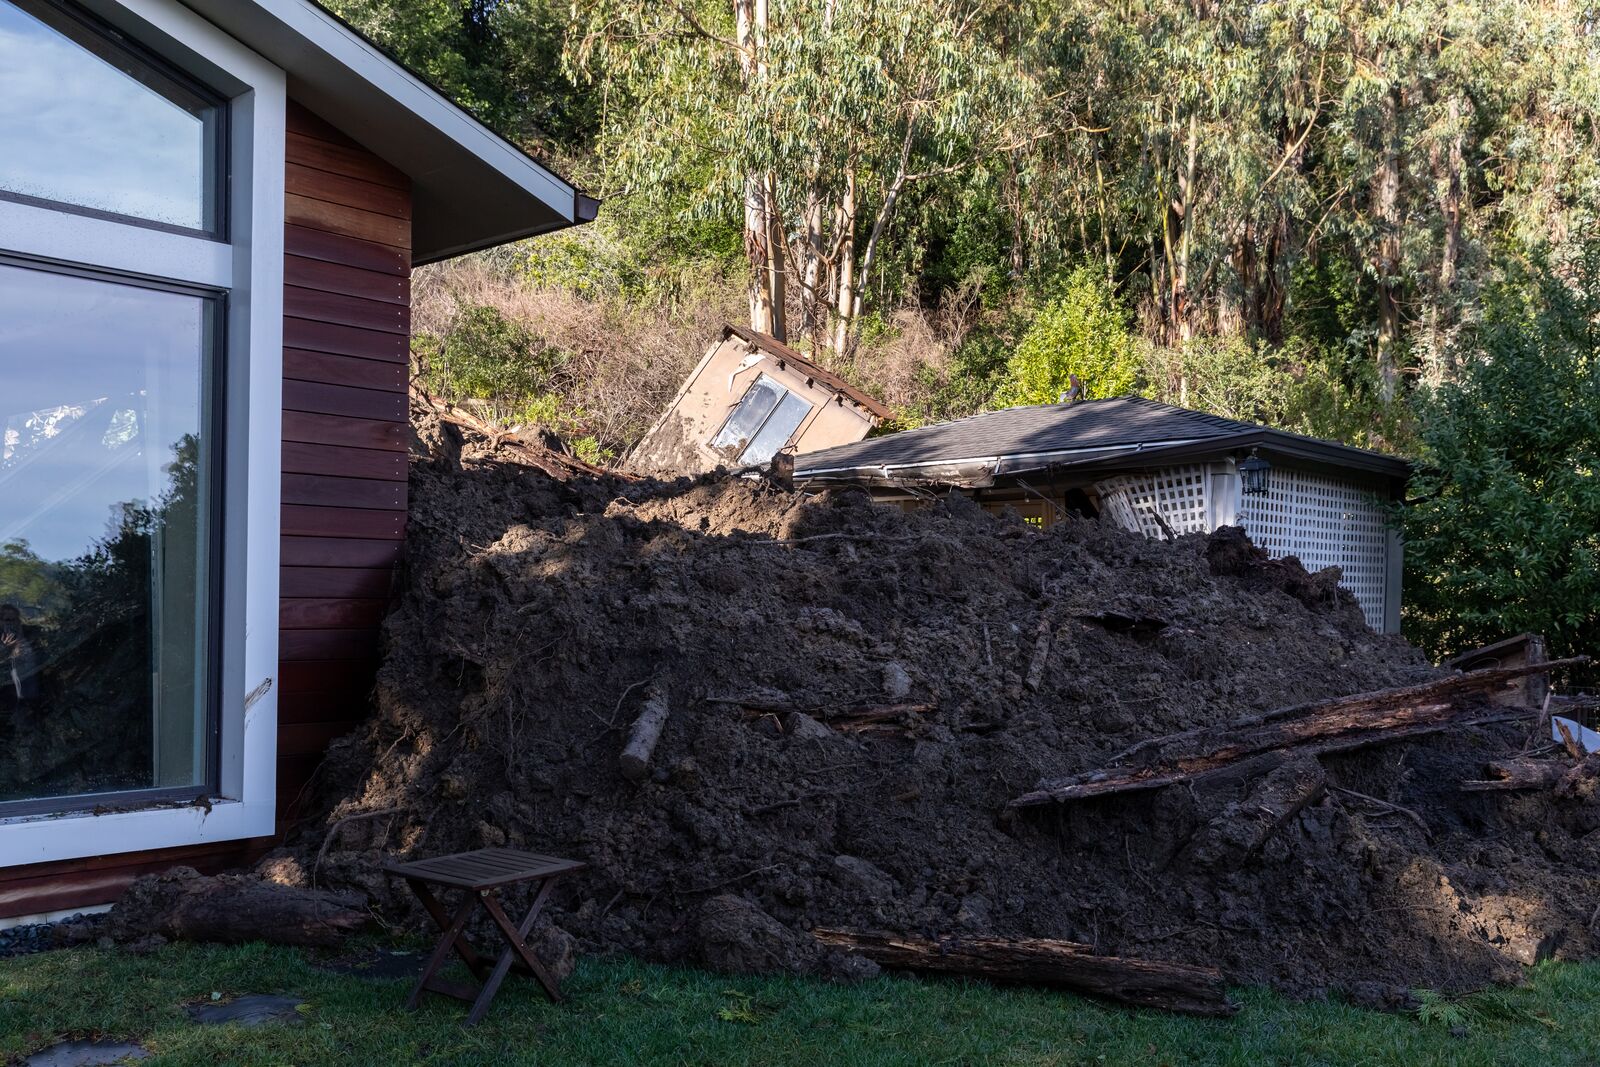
[812,118]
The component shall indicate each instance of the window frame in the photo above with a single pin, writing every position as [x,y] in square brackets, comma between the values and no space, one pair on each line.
[784,391]
[108,40]
[787,393]
[247,266]
[213,426]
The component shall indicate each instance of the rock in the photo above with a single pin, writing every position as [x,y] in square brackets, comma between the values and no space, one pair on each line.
[86,1054]
[896,680]
[737,937]
[867,875]
[802,726]
[975,912]
[556,949]
[281,867]
[255,1009]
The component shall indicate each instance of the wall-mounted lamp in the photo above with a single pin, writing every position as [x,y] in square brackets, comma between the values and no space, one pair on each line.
[1253,473]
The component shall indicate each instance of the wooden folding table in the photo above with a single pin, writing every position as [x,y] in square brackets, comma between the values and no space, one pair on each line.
[481,874]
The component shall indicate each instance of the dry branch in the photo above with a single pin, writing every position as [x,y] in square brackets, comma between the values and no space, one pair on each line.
[1175,987]
[1313,729]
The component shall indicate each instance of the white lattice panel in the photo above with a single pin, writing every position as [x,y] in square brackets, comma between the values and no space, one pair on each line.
[1326,522]
[1177,494]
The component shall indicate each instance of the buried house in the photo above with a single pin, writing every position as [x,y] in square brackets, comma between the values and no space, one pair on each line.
[1153,469]
[749,398]
[209,212]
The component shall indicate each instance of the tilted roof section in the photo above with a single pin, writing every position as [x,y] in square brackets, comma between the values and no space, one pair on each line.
[471,188]
[774,347]
[1095,429]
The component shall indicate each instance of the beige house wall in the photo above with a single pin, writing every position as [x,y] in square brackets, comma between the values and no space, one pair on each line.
[679,441]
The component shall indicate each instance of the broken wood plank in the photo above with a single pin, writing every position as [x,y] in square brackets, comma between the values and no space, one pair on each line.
[1119,623]
[1176,987]
[635,758]
[1312,729]
[1244,826]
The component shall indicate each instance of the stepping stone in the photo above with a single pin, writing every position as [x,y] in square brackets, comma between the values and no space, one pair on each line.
[87,1054]
[257,1009]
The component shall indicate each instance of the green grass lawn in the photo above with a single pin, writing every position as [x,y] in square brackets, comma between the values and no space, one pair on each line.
[621,1012]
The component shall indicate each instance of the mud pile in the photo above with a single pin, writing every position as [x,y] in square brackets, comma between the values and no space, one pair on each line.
[541,607]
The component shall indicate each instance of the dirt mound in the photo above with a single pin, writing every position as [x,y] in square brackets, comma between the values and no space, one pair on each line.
[856,692]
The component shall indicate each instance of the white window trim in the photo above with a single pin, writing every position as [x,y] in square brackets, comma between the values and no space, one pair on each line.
[251,267]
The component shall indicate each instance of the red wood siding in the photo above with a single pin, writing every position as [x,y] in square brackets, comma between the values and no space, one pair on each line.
[347,302]
[347,316]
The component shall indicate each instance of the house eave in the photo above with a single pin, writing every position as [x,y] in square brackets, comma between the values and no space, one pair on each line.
[471,188]
[978,472]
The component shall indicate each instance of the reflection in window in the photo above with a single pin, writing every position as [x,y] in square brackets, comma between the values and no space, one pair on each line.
[85,122]
[104,536]
[766,416]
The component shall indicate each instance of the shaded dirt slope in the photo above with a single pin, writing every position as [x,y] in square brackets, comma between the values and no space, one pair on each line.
[541,609]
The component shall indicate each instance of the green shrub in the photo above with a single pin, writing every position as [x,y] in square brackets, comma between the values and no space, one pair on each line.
[1082,330]
[489,358]
[1503,535]
[1300,386]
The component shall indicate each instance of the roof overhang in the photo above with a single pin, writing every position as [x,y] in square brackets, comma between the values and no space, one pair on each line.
[777,349]
[471,188]
[981,472]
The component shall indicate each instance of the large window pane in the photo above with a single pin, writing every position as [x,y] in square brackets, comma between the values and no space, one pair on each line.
[105,526]
[754,407]
[774,433]
[85,122]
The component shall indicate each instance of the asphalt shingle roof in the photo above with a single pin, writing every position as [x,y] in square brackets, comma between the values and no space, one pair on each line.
[1121,421]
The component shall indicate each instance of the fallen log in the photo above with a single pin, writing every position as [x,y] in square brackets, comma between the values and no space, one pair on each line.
[635,758]
[184,905]
[1312,729]
[1176,987]
[1522,772]
[1514,774]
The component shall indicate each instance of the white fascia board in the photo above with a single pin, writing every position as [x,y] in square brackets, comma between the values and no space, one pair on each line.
[885,469]
[471,188]
[322,31]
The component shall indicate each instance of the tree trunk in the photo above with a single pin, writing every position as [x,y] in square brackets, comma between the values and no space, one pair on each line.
[1183,209]
[812,312]
[1177,987]
[777,260]
[184,905]
[845,272]
[1450,171]
[1386,261]
[748,26]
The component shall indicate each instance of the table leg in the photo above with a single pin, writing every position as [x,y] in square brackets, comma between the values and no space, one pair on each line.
[516,937]
[440,951]
[475,962]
